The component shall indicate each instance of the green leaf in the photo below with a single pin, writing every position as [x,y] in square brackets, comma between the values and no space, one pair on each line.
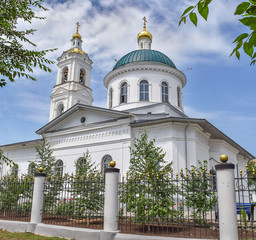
[251,10]
[241,37]
[182,20]
[193,18]
[253,1]
[247,49]
[204,12]
[238,54]
[241,8]
[187,10]
[252,40]
[248,21]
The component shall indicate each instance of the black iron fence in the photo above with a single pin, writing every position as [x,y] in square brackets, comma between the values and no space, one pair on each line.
[245,189]
[182,205]
[175,205]
[74,200]
[16,198]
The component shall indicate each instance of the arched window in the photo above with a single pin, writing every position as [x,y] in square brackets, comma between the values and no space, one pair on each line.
[164,92]
[82,76]
[60,109]
[144,90]
[123,95]
[15,170]
[65,75]
[105,162]
[111,98]
[59,167]
[31,168]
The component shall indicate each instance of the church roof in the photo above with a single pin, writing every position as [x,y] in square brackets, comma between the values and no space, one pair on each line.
[207,126]
[144,55]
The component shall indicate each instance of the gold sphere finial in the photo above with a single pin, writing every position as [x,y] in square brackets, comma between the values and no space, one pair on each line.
[223,158]
[41,169]
[112,164]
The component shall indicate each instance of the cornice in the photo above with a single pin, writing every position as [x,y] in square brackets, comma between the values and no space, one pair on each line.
[145,67]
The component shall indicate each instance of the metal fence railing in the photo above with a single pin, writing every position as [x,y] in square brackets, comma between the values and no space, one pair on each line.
[74,201]
[182,205]
[16,198]
[245,189]
[155,203]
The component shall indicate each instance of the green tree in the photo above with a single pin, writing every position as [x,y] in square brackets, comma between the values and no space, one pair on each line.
[148,193]
[85,165]
[197,190]
[247,11]
[54,183]
[87,189]
[44,158]
[251,172]
[15,59]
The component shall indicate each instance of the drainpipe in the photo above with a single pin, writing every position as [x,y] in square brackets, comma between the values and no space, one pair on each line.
[186,146]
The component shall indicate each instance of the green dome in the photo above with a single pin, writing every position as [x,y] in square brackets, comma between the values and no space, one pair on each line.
[144,55]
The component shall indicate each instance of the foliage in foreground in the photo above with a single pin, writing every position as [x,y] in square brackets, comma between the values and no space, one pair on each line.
[198,180]
[247,11]
[45,158]
[148,194]
[15,59]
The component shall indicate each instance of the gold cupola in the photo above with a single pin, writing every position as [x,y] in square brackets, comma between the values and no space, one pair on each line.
[144,33]
[77,35]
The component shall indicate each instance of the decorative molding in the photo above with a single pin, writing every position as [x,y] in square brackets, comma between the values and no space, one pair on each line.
[136,67]
[88,137]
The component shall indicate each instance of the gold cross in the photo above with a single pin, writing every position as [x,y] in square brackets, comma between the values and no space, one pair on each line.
[145,20]
[77,26]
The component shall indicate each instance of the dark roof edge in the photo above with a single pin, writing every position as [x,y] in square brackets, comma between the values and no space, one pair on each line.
[21,143]
[73,109]
[202,122]
[155,104]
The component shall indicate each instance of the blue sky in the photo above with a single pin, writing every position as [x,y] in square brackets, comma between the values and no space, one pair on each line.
[219,88]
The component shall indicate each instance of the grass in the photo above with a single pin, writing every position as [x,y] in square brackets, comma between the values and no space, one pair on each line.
[4,235]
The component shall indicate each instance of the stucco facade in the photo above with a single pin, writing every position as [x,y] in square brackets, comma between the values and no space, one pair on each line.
[144,92]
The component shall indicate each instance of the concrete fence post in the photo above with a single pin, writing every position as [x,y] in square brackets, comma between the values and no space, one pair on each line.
[38,198]
[110,203]
[226,200]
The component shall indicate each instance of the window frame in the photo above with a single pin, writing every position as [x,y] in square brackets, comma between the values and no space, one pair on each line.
[58,167]
[106,159]
[144,90]
[123,92]
[164,92]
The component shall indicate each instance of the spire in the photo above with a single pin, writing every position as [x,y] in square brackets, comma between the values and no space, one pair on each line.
[76,41]
[145,37]
[77,35]
[144,26]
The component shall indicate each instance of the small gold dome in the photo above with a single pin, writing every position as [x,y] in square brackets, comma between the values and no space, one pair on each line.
[41,169]
[112,164]
[77,35]
[223,158]
[76,50]
[144,34]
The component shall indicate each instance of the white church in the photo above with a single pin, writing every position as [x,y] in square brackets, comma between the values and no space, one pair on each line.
[145,91]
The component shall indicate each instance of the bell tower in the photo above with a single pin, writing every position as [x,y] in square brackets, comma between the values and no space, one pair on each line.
[73,78]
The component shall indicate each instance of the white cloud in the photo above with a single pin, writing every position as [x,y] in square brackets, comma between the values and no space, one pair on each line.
[109,29]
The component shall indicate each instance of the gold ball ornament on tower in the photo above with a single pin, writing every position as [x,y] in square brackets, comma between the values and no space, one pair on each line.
[41,169]
[223,158]
[112,164]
